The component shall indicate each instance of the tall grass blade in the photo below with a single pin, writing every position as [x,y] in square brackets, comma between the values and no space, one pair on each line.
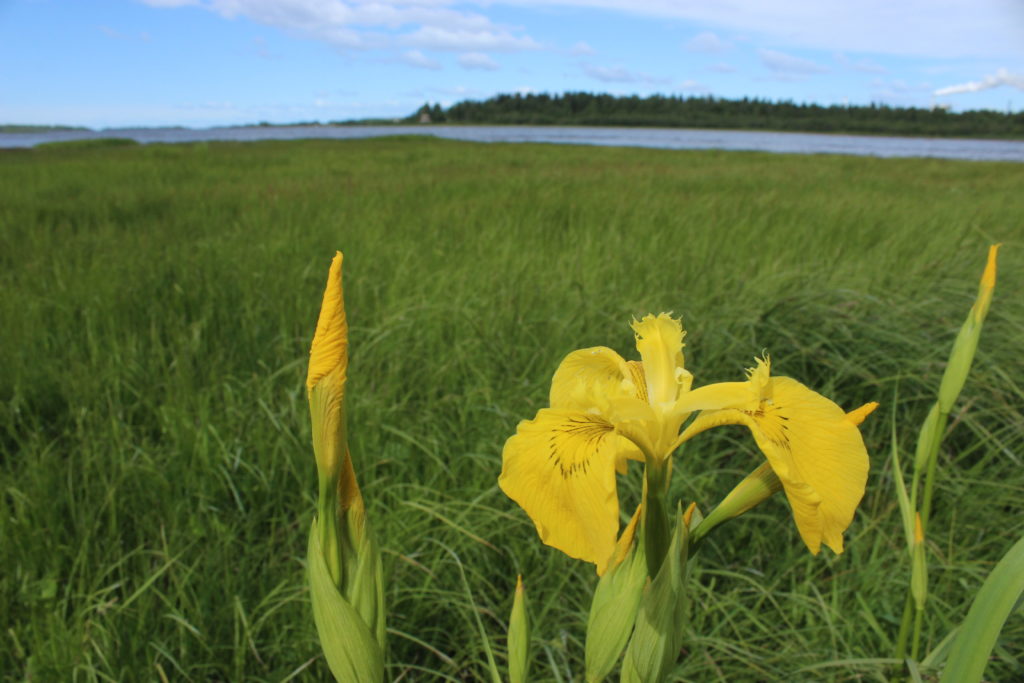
[969,654]
[492,666]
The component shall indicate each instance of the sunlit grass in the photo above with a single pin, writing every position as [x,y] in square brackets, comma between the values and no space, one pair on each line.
[156,311]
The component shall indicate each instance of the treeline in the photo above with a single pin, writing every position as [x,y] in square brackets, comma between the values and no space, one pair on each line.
[587,109]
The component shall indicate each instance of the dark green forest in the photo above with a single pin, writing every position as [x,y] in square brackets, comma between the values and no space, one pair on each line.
[588,109]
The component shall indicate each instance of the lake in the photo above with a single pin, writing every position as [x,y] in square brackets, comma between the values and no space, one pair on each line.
[661,138]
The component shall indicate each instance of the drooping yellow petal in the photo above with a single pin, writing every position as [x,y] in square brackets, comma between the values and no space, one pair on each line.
[659,339]
[560,468]
[814,447]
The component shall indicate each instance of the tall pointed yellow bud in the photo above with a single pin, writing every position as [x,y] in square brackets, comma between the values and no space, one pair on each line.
[325,385]
[345,572]
[966,343]
[987,284]
[329,352]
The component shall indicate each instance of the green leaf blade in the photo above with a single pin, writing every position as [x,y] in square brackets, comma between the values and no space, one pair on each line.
[992,605]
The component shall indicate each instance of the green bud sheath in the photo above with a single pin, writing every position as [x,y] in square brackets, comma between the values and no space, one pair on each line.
[756,487]
[519,637]
[351,649]
[962,355]
[660,621]
[616,600]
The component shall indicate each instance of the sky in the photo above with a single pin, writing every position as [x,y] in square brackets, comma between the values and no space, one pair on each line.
[198,63]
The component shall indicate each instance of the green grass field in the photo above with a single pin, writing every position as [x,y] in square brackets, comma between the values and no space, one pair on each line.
[156,472]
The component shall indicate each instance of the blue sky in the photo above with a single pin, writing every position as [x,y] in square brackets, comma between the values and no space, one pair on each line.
[108,63]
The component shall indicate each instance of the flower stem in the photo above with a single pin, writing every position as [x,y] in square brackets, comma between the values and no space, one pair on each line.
[656,532]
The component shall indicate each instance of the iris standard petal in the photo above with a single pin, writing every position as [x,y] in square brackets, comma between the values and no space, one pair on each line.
[560,468]
[659,339]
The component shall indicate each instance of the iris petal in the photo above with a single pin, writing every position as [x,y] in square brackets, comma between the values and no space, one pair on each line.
[659,339]
[560,468]
[812,445]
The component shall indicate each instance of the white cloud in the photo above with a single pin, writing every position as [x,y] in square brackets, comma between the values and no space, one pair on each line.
[999,78]
[707,42]
[438,38]
[419,60]
[619,74]
[692,86]
[581,48]
[865,65]
[477,60]
[788,65]
[922,28]
[723,68]
[943,29]
[374,24]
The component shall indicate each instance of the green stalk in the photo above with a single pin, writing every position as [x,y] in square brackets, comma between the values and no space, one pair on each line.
[929,439]
[916,641]
[657,534]
[905,621]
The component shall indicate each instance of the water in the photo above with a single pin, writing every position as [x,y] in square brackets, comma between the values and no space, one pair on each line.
[660,138]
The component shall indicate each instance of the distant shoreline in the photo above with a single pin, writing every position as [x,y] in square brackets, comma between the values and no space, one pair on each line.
[713,113]
[16,129]
[972,149]
[601,110]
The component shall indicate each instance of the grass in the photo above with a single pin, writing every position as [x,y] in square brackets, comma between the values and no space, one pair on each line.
[155,464]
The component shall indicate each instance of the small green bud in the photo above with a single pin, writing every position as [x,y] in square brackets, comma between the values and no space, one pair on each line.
[962,355]
[756,487]
[919,566]
[519,637]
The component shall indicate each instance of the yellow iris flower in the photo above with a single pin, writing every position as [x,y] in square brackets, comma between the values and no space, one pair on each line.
[561,466]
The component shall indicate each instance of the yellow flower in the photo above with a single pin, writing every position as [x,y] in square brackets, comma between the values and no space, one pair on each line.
[560,466]
[813,446]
